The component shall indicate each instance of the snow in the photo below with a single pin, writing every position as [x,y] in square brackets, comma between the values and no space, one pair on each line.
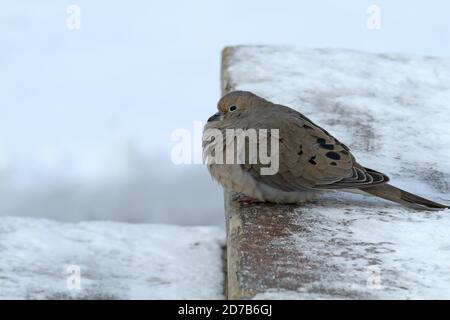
[116,260]
[393,111]
[409,251]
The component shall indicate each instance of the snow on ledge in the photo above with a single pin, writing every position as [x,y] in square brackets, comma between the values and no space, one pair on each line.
[116,260]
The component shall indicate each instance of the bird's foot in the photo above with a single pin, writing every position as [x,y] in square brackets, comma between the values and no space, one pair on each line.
[246,200]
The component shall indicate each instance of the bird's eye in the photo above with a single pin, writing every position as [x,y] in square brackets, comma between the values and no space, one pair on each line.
[232,108]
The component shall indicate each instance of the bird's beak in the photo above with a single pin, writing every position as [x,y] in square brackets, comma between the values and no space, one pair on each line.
[214,117]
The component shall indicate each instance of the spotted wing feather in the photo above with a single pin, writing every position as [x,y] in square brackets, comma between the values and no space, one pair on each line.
[311,158]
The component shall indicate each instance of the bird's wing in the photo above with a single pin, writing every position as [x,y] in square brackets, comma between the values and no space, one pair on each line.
[311,158]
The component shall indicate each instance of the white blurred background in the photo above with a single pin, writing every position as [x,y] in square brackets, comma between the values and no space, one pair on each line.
[86,115]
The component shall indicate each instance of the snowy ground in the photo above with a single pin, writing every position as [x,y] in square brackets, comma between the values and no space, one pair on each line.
[393,111]
[370,252]
[116,260]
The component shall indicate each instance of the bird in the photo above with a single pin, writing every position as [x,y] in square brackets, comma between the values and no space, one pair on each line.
[311,160]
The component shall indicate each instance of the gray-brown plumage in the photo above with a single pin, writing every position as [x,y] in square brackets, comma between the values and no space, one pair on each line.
[310,159]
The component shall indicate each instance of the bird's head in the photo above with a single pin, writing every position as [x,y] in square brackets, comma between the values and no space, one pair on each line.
[236,104]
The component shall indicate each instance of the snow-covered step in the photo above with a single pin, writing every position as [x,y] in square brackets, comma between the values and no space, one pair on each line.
[44,259]
[393,111]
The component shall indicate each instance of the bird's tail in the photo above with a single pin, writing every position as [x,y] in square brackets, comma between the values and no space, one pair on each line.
[389,192]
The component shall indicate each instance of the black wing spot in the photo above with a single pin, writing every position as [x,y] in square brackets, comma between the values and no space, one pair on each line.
[333,163]
[333,155]
[324,145]
[327,146]
[312,160]
[321,141]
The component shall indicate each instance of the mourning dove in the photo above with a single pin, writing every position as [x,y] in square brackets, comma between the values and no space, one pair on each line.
[311,160]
